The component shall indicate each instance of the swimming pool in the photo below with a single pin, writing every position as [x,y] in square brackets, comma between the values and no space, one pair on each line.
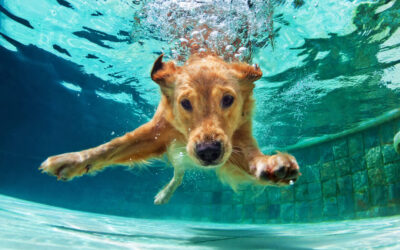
[75,74]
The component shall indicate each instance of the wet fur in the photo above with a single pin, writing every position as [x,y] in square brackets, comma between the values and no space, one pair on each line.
[204,79]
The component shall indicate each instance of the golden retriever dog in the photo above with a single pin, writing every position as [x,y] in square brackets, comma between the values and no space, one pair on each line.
[204,119]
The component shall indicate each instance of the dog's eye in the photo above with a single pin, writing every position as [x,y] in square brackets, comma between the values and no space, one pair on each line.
[186,104]
[227,101]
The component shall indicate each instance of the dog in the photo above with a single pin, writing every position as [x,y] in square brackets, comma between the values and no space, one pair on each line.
[204,120]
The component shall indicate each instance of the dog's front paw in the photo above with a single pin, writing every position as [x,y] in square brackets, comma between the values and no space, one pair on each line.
[280,169]
[66,166]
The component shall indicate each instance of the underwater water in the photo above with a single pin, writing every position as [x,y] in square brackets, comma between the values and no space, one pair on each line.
[75,74]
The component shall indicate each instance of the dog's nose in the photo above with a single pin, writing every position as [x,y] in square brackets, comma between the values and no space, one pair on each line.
[208,152]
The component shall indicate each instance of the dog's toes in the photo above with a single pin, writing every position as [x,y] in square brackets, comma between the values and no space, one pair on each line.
[66,166]
[279,169]
[48,167]
[280,172]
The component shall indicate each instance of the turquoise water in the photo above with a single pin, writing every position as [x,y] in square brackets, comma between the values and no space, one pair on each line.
[38,226]
[75,74]
[323,51]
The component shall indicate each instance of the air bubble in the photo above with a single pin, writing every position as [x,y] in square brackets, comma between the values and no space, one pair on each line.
[229,48]
[195,35]
[242,49]
[214,34]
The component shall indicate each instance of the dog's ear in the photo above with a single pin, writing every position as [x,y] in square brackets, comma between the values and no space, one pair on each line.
[246,73]
[164,74]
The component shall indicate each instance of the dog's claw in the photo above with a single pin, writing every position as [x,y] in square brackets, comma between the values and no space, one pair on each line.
[87,168]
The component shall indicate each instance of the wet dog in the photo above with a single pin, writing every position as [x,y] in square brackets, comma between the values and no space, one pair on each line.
[204,119]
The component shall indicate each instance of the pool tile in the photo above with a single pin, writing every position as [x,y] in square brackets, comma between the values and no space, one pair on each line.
[387,133]
[356,144]
[313,173]
[327,171]
[330,209]
[329,188]
[314,190]
[389,154]
[342,167]
[379,195]
[301,193]
[302,211]
[287,194]
[346,204]
[371,138]
[287,212]
[360,181]
[273,211]
[274,195]
[392,172]
[376,176]
[394,193]
[374,157]
[361,201]
[326,152]
[340,148]
[316,210]
[357,162]
[345,185]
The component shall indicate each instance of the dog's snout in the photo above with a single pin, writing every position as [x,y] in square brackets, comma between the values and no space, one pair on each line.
[209,152]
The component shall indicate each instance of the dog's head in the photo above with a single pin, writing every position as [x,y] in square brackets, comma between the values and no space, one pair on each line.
[207,100]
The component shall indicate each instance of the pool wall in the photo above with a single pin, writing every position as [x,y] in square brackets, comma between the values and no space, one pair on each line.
[351,175]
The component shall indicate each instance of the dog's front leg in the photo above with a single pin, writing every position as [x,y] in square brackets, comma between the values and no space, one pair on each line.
[149,140]
[278,169]
[166,193]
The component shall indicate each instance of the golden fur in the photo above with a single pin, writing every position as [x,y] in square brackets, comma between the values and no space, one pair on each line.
[203,81]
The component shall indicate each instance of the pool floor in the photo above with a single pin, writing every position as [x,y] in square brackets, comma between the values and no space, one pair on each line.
[28,225]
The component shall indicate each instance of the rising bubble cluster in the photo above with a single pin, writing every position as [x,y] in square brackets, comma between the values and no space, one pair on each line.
[231,29]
